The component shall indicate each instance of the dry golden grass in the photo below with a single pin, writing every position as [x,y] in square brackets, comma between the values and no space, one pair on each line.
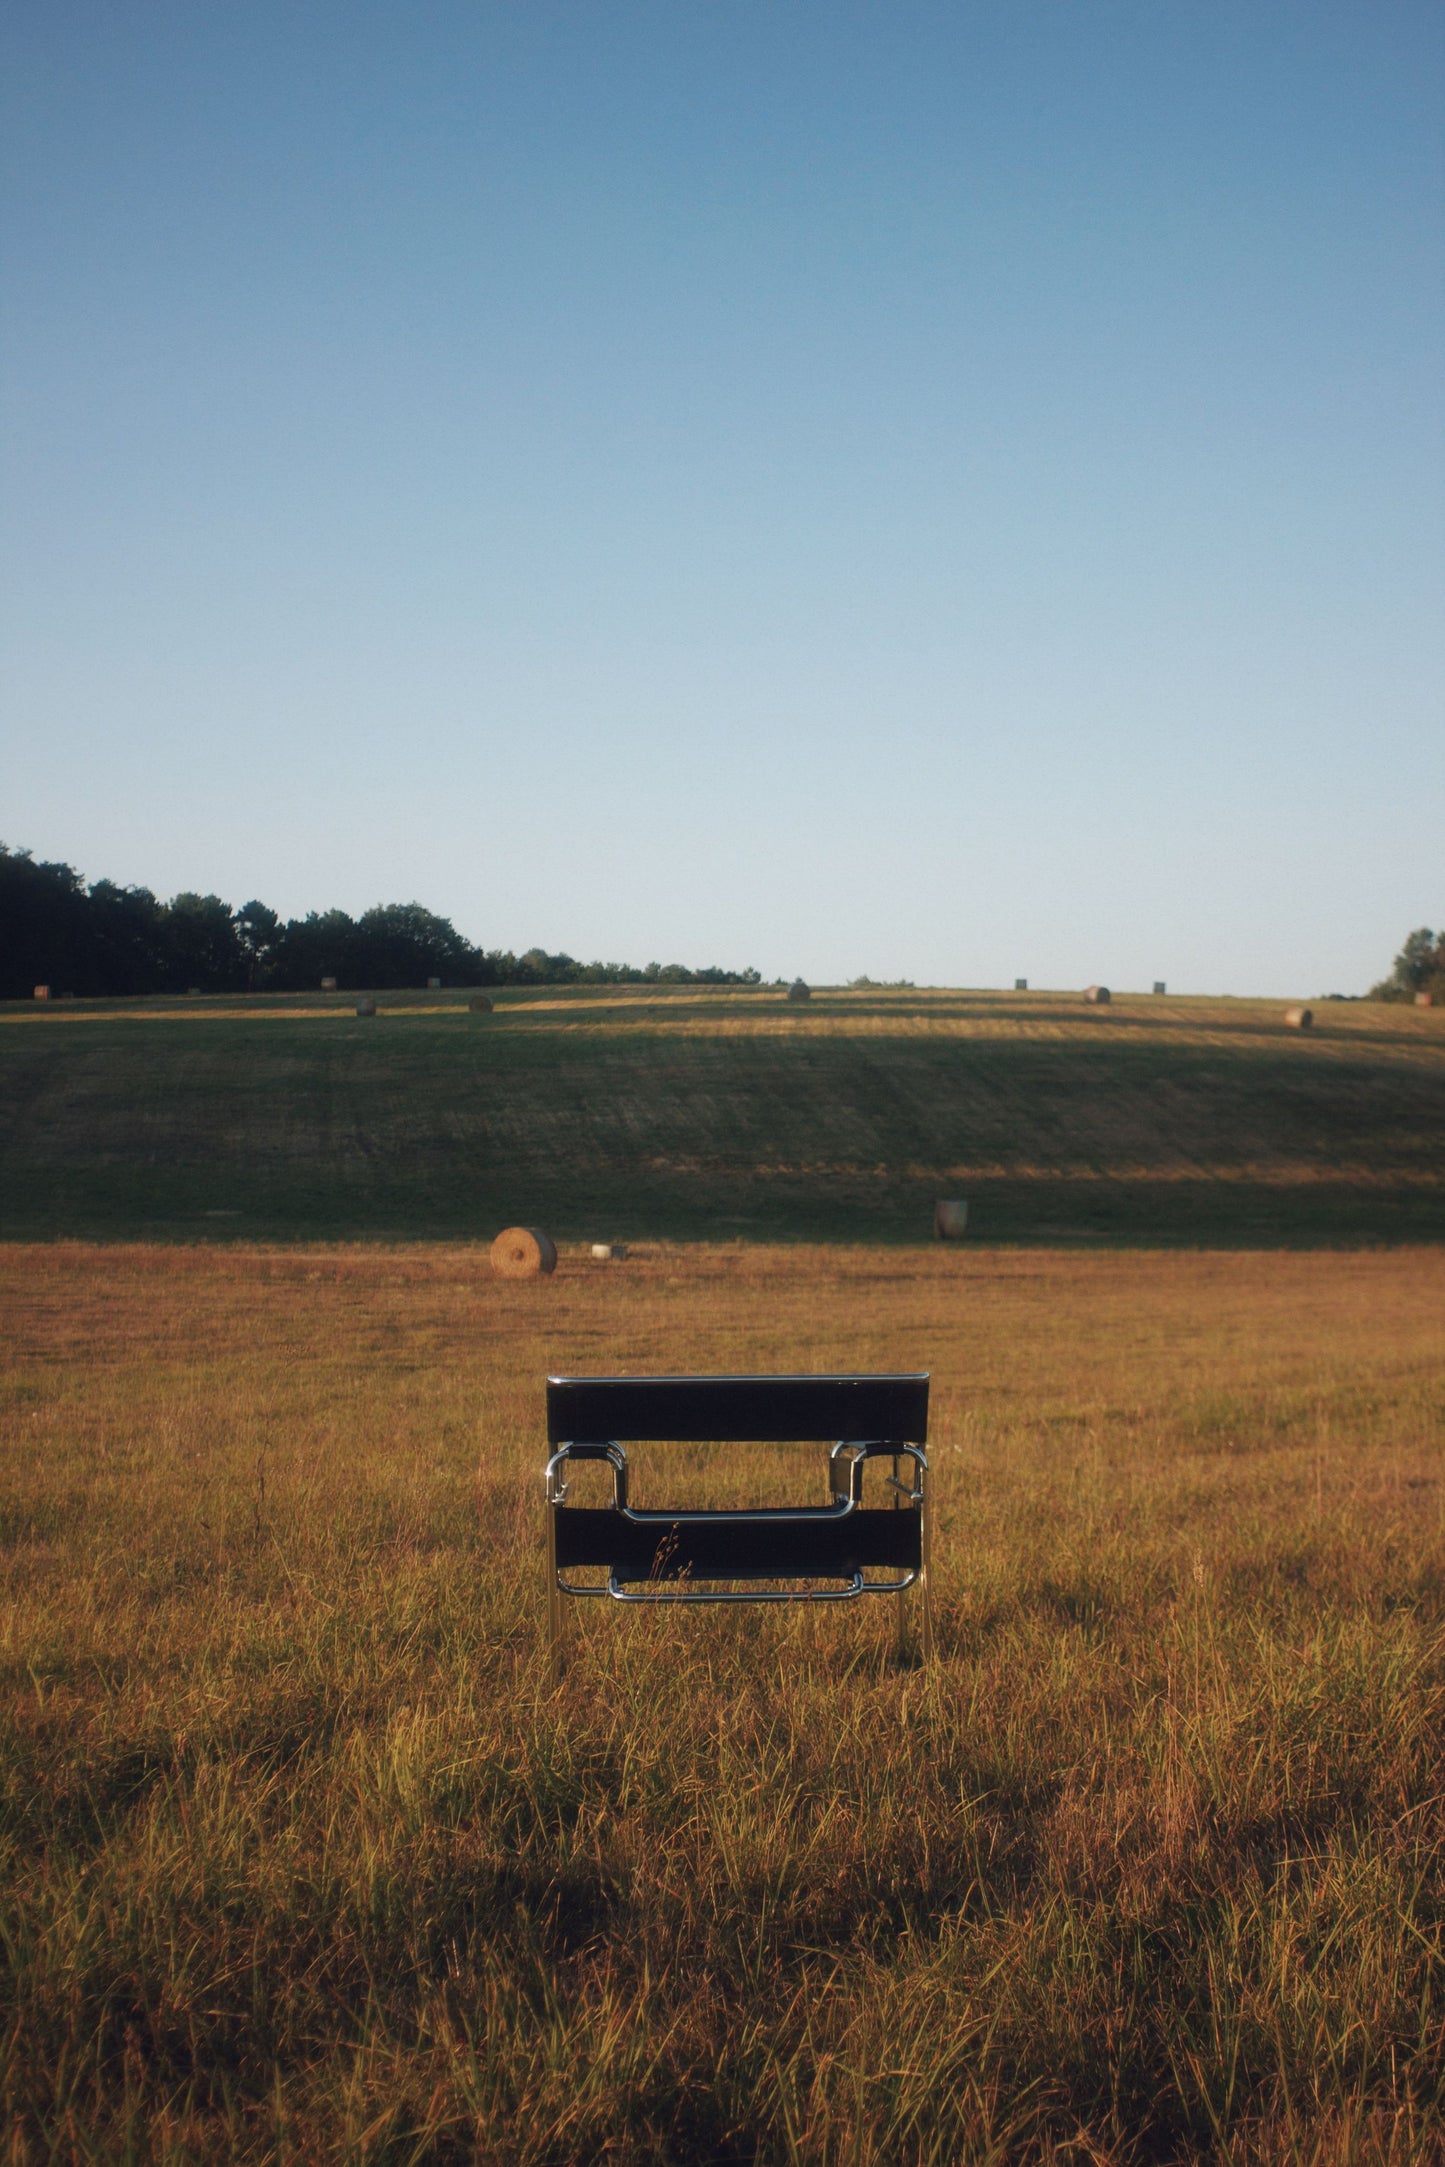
[305,1858]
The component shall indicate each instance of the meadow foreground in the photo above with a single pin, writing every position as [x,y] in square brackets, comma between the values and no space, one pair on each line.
[305,1858]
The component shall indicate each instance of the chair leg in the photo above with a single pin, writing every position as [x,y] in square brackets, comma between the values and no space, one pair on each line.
[900,1602]
[925,1587]
[556,1616]
[922,1595]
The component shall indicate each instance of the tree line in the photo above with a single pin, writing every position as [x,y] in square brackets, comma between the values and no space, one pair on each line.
[97,938]
[1419,968]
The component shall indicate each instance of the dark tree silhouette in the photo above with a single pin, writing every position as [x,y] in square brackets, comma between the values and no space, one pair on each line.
[105,939]
[1419,968]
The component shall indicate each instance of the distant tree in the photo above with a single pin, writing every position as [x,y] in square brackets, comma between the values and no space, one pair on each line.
[126,941]
[1419,968]
[202,945]
[537,968]
[257,927]
[306,950]
[401,944]
[42,925]
[715,975]
[98,940]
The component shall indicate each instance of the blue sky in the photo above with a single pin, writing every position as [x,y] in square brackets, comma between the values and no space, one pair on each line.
[946,492]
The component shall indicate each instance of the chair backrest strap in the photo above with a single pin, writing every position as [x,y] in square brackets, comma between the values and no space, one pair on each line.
[764,1410]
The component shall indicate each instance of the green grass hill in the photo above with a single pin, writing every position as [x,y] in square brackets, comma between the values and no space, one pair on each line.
[609,1114]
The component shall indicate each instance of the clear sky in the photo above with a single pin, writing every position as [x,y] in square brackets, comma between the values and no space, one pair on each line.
[947,492]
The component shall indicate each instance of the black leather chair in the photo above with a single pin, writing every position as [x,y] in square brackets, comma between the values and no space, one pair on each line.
[664,1556]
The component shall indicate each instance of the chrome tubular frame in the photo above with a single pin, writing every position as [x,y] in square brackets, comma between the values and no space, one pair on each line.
[656,1593]
[615,1457]
[845,1474]
[846,1458]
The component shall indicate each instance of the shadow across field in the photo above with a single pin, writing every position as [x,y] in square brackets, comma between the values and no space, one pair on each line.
[703,1119]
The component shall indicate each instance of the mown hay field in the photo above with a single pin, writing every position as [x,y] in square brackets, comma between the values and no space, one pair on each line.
[709,1115]
[306,1858]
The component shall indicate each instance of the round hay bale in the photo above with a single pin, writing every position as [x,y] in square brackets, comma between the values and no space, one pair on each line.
[366,1006]
[1424,1000]
[950,1220]
[328,985]
[1299,1019]
[521,1252]
[42,993]
[480,1005]
[798,991]
[604,1251]
[1098,996]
